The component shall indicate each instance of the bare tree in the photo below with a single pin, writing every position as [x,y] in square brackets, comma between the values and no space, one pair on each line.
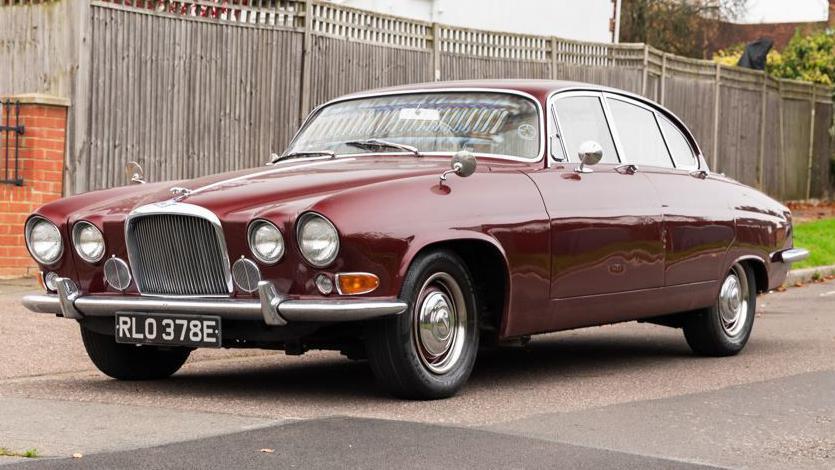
[683,27]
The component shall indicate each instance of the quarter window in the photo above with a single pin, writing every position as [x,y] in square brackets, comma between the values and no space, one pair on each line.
[679,147]
[582,118]
[639,134]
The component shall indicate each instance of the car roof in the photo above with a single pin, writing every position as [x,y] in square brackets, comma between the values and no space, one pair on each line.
[538,88]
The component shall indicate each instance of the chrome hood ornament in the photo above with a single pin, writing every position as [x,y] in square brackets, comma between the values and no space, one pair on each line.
[180,193]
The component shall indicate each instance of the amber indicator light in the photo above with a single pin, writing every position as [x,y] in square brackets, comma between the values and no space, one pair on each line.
[356,283]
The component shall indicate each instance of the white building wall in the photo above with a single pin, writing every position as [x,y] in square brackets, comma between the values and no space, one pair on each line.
[585,20]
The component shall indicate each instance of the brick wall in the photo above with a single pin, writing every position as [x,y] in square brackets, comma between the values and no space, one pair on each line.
[41,164]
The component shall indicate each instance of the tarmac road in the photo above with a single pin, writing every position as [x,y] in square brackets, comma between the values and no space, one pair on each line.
[625,396]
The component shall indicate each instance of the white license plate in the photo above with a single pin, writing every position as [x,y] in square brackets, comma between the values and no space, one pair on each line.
[197,331]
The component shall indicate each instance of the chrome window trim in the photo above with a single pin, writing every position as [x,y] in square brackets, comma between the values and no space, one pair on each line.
[537,104]
[77,226]
[625,99]
[27,230]
[691,139]
[694,155]
[581,93]
[172,207]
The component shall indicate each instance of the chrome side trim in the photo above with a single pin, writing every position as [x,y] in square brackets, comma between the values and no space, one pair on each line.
[172,207]
[269,308]
[792,255]
[505,91]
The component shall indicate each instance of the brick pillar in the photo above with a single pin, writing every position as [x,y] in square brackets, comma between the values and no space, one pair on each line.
[41,166]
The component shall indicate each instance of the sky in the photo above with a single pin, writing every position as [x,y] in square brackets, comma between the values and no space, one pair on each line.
[785,11]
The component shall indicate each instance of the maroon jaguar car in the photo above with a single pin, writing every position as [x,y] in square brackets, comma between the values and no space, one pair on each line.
[413,225]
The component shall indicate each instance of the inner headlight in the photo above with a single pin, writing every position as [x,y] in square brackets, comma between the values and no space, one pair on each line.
[318,239]
[44,240]
[266,241]
[88,241]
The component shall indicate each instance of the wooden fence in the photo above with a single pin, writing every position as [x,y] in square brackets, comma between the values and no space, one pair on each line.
[188,88]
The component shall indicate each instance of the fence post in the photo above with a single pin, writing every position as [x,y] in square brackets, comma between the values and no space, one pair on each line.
[77,151]
[782,143]
[761,160]
[663,78]
[716,101]
[436,51]
[554,44]
[304,102]
[811,143]
[644,77]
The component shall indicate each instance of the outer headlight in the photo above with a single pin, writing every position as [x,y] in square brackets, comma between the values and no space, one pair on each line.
[88,242]
[266,241]
[44,240]
[318,239]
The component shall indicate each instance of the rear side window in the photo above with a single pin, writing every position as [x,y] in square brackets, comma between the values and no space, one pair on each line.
[639,135]
[582,118]
[679,147]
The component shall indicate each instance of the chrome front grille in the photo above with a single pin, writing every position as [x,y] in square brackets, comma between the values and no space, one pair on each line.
[177,254]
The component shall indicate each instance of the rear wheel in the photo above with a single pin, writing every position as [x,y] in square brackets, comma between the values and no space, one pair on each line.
[724,328]
[130,362]
[429,350]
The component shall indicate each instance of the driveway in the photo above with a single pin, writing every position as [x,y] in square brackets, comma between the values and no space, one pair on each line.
[628,395]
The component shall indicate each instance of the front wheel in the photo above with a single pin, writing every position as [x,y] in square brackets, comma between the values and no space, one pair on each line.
[428,351]
[724,328]
[130,362]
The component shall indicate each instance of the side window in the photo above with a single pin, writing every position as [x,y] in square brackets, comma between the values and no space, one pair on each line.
[682,152]
[581,119]
[639,134]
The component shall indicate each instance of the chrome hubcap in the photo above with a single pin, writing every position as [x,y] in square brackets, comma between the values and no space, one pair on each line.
[733,301]
[440,323]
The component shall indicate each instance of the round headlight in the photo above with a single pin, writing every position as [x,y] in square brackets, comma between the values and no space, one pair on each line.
[44,240]
[88,241]
[266,241]
[318,239]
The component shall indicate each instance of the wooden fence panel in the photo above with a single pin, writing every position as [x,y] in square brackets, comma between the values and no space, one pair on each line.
[822,150]
[628,79]
[208,98]
[739,133]
[796,129]
[773,165]
[692,101]
[461,67]
[339,67]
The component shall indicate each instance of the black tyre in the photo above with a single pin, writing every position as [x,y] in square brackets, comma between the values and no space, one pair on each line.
[428,351]
[724,328]
[130,362]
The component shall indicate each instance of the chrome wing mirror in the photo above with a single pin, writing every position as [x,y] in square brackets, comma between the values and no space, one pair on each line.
[134,173]
[590,154]
[463,164]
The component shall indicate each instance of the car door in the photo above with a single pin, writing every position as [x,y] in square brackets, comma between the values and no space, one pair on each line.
[605,225]
[698,223]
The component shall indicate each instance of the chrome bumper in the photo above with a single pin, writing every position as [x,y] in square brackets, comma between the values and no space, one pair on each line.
[270,307]
[791,255]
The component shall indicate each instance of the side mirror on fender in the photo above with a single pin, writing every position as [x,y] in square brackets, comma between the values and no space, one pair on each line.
[463,164]
[590,154]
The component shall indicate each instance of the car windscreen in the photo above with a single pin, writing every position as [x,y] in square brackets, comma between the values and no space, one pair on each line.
[489,123]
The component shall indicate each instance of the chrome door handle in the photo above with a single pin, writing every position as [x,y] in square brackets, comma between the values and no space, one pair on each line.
[627,169]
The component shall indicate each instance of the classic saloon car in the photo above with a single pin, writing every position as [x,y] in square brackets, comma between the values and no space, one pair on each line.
[411,226]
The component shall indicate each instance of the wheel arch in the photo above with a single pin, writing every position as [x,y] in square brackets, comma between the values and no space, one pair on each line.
[487,263]
[758,266]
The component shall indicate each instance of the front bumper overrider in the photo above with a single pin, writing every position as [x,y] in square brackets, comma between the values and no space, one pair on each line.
[269,307]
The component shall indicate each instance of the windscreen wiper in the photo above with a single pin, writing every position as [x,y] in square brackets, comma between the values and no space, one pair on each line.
[371,144]
[303,153]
